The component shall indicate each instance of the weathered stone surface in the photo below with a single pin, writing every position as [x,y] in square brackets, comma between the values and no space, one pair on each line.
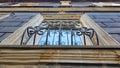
[112,30]
[116,36]
[10,17]
[17,17]
[103,20]
[13,22]
[117,20]
[24,19]
[4,36]
[10,24]
[101,24]
[113,25]
[28,14]
[106,16]
[62,66]
[8,20]
[109,21]
[1,34]
[22,23]
[92,16]
[8,29]
[104,13]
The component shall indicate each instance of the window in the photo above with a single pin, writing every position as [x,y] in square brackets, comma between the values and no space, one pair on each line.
[62,33]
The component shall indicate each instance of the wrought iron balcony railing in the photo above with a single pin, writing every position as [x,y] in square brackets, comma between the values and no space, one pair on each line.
[59,33]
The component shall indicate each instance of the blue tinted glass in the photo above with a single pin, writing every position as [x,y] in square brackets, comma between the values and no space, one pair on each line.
[43,39]
[65,38]
[76,39]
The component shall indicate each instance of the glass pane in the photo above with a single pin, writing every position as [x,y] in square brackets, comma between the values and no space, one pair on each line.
[65,38]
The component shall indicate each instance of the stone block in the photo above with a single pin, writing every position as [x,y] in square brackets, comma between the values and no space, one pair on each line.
[4,36]
[8,20]
[103,13]
[113,25]
[8,29]
[106,16]
[103,20]
[23,19]
[101,25]
[117,20]
[116,37]
[10,24]
[1,34]
[10,17]
[22,13]
[112,30]
[91,16]
[23,22]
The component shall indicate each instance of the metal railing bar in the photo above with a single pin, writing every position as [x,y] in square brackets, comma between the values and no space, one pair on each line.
[72,33]
[59,43]
[54,25]
[46,42]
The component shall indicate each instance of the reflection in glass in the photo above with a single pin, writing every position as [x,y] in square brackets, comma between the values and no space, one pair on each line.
[65,38]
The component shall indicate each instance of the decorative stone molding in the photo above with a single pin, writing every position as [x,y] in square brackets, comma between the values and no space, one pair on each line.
[65,3]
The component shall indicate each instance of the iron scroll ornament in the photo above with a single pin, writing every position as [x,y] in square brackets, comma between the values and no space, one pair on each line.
[90,32]
[83,31]
[30,31]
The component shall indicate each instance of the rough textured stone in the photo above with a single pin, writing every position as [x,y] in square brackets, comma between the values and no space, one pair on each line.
[8,20]
[117,20]
[101,24]
[4,36]
[113,25]
[112,30]
[22,23]
[109,21]
[116,36]
[106,16]
[28,14]
[103,20]
[19,17]
[10,17]
[24,19]
[92,16]
[10,24]
[1,34]
[104,13]
[8,29]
